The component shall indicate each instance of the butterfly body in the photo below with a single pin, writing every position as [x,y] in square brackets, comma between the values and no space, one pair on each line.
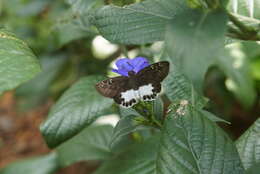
[128,90]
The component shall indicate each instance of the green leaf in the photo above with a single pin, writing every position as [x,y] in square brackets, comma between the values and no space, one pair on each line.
[212,117]
[46,164]
[178,87]
[190,143]
[124,127]
[248,145]
[235,65]
[138,23]
[78,107]
[193,144]
[135,159]
[124,112]
[90,144]
[194,39]
[18,63]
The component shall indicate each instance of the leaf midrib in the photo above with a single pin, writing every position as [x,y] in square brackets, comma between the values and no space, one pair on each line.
[183,128]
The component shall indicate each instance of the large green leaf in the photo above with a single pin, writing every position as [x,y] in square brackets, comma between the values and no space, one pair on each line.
[124,127]
[18,64]
[248,145]
[46,164]
[90,144]
[213,117]
[194,39]
[77,108]
[193,144]
[190,143]
[235,65]
[138,23]
[178,87]
[124,112]
[136,159]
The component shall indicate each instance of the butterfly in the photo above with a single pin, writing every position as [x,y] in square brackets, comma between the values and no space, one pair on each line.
[128,90]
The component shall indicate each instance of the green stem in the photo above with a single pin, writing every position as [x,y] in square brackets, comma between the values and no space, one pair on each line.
[244,28]
[146,109]
[156,122]
[234,31]
[239,30]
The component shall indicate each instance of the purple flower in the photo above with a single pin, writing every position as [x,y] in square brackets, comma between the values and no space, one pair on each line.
[125,65]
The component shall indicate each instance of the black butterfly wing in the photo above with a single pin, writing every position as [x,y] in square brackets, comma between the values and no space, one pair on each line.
[113,86]
[154,72]
[118,88]
[150,78]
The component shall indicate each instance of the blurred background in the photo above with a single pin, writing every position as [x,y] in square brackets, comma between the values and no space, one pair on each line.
[68,48]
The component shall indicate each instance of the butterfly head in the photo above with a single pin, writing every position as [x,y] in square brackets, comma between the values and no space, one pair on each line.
[131,73]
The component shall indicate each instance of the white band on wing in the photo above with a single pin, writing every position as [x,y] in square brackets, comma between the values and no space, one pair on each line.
[143,93]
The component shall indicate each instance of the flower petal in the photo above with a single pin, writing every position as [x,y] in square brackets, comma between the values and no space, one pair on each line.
[139,63]
[142,66]
[124,64]
[121,72]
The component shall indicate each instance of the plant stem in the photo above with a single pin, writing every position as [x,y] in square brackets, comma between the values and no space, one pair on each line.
[146,109]
[247,31]
[156,122]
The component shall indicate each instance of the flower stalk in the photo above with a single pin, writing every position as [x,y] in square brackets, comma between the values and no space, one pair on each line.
[146,110]
[243,31]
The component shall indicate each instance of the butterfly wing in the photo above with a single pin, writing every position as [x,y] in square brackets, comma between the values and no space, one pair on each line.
[120,89]
[113,86]
[154,72]
[150,79]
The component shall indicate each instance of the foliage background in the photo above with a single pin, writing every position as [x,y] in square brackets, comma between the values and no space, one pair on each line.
[61,35]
